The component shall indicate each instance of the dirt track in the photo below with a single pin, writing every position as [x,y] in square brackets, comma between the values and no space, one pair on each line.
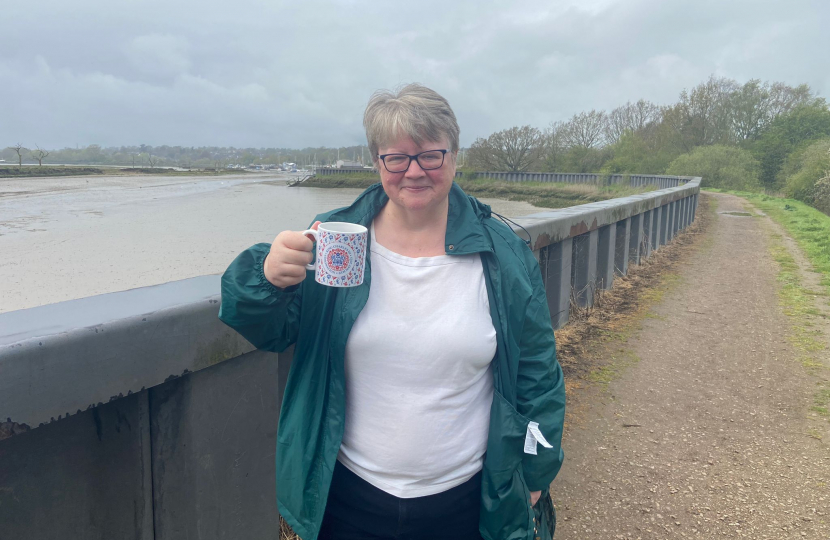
[708,432]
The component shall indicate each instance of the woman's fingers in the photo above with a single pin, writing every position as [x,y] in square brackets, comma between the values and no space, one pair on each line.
[286,263]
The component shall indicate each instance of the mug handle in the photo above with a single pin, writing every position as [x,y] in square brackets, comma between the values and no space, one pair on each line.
[311,232]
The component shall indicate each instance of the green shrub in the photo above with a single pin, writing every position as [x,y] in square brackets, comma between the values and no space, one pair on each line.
[723,167]
[821,195]
[804,168]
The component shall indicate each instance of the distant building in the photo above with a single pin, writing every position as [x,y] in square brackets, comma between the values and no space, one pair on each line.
[346,164]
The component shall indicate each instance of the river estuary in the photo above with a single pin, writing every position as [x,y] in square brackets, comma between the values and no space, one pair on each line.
[67,238]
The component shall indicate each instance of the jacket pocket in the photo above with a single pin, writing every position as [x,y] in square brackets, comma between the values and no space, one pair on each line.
[506,510]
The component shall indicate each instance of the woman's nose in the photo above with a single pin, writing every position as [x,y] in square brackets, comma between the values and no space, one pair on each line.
[414,168]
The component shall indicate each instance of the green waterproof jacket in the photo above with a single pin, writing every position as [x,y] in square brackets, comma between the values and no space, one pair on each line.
[527,377]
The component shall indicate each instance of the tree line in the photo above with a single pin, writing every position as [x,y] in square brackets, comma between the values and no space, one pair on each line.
[751,136]
[182,156]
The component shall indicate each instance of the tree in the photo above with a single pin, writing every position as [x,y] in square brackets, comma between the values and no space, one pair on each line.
[630,117]
[788,132]
[804,168]
[514,149]
[151,160]
[754,106]
[702,116]
[554,147]
[586,129]
[720,166]
[18,148]
[39,155]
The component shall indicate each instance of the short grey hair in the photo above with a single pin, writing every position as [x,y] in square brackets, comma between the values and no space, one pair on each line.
[414,110]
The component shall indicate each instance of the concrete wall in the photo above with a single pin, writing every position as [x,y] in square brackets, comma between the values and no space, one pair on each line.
[139,415]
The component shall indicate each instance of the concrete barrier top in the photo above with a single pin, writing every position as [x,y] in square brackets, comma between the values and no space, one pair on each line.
[553,226]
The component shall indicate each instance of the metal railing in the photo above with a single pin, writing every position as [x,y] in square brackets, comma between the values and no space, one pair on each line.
[633,180]
[139,414]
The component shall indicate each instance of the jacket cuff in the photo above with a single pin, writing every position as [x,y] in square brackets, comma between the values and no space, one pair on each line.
[539,475]
[273,290]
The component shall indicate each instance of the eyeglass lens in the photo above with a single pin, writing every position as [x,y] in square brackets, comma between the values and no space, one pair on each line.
[426,160]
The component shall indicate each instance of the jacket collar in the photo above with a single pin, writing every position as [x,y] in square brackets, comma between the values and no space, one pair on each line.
[465,227]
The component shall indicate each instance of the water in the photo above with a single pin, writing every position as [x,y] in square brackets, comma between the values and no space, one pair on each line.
[66,238]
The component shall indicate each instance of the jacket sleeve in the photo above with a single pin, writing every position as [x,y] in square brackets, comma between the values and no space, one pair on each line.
[540,387]
[262,313]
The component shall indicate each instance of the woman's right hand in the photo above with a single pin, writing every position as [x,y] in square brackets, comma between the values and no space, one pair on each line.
[286,263]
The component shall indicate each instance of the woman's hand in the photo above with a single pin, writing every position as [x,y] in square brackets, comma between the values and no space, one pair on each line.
[290,253]
[534,497]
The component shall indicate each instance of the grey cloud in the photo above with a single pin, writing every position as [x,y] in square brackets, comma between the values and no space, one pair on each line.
[299,73]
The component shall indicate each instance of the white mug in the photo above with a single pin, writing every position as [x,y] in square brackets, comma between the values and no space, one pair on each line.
[340,255]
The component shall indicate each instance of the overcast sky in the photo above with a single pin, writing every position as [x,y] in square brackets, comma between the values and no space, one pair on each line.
[270,73]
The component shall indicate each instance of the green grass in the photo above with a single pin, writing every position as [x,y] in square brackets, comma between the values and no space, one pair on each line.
[541,194]
[610,372]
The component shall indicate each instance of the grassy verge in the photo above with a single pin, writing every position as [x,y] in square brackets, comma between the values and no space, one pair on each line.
[541,194]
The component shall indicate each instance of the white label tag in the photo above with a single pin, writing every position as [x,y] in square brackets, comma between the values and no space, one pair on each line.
[534,436]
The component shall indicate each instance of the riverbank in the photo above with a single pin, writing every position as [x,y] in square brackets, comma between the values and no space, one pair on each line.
[544,194]
[66,238]
[36,171]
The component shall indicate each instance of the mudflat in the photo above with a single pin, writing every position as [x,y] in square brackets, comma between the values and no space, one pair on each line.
[69,237]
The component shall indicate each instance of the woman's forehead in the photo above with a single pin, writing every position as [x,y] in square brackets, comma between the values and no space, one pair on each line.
[405,144]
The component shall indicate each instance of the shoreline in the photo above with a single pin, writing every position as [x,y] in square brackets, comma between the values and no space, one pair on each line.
[57,171]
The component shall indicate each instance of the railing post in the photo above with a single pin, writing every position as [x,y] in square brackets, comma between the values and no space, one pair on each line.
[645,249]
[605,256]
[556,262]
[665,214]
[584,270]
[694,207]
[677,213]
[670,222]
[655,227]
[621,247]
[636,238]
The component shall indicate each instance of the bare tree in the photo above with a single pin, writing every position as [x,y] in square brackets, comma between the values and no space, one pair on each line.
[586,129]
[632,117]
[784,98]
[151,160]
[555,146]
[513,149]
[39,155]
[19,149]
[703,116]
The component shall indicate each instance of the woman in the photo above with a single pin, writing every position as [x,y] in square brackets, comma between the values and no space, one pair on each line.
[410,406]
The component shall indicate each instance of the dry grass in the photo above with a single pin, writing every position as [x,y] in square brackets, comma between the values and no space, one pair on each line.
[286,533]
[617,311]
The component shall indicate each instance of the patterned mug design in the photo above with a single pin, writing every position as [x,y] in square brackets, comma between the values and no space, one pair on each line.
[340,254]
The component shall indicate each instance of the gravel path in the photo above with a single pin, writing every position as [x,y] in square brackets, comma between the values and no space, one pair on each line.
[709,434]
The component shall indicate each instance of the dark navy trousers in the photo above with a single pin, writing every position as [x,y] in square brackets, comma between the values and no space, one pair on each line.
[357,510]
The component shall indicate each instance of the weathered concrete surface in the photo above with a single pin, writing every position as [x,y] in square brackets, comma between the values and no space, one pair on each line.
[710,434]
[214,434]
[86,477]
[60,359]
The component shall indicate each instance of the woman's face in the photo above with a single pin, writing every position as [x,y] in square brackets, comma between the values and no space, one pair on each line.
[417,190]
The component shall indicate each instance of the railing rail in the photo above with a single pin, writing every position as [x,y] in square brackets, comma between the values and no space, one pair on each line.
[138,414]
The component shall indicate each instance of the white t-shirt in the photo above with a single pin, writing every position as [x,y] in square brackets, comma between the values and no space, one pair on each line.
[418,380]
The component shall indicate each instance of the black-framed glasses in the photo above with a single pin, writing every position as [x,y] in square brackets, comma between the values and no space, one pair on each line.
[429,160]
